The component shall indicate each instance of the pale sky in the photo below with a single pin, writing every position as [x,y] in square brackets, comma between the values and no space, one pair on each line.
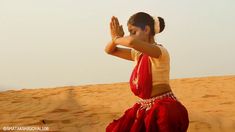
[52,43]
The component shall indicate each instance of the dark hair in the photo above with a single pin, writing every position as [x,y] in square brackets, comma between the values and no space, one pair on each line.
[142,19]
[161,24]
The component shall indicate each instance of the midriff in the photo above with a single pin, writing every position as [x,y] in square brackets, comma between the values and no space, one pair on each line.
[160,89]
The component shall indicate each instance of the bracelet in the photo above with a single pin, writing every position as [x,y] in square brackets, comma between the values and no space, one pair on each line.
[115,38]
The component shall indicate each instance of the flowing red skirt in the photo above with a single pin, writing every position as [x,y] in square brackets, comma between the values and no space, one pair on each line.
[165,115]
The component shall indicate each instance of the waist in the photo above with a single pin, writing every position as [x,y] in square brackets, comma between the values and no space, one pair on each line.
[147,103]
[160,89]
[164,95]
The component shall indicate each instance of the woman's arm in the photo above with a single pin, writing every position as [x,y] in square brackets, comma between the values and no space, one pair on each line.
[111,48]
[144,47]
[123,53]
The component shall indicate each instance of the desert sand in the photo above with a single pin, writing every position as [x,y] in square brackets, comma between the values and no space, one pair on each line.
[209,100]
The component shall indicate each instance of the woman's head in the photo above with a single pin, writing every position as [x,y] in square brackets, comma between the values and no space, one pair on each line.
[143,25]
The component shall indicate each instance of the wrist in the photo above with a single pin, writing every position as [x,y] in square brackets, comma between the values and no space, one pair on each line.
[115,38]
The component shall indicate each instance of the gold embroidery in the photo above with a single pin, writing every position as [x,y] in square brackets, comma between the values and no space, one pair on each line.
[135,82]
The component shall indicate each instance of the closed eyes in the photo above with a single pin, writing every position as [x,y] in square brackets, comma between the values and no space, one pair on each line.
[132,32]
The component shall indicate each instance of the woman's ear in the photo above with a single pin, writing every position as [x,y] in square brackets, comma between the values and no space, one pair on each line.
[147,29]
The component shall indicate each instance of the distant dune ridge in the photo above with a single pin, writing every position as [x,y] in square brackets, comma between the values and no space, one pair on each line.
[209,100]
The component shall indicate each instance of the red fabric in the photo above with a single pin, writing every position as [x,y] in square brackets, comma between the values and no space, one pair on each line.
[166,115]
[141,78]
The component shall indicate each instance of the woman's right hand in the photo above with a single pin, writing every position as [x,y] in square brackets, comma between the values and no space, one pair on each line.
[116,30]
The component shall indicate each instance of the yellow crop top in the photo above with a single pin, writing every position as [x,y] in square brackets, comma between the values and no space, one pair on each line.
[160,66]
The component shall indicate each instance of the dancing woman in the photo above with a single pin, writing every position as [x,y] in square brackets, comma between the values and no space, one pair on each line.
[158,109]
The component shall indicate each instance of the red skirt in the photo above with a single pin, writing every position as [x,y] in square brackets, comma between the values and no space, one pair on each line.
[164,115]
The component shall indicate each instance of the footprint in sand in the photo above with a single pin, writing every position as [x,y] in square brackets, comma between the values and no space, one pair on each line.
[29,117]
[81,111]
[36,97]
[213,111]
[209,96]
[59,110]
[46,121]
[66,121]
[35,123]
[202,125]
[17,101]
[227,103]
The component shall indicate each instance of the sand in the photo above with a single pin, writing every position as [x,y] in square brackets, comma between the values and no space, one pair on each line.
[209,100]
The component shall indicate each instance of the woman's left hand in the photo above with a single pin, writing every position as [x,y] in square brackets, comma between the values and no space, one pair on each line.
[115,28]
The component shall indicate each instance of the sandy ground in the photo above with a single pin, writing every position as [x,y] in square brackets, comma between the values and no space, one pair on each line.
[209,100]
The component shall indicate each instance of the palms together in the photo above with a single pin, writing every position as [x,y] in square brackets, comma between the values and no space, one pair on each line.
[116,29]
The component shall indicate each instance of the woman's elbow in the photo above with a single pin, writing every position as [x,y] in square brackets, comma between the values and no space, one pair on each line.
[109,51]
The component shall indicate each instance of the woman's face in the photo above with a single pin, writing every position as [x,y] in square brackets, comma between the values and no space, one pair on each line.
[138,32]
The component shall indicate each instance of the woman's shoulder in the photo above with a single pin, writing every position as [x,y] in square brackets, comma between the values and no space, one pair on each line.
[162,48]
[164,52]
[135,54]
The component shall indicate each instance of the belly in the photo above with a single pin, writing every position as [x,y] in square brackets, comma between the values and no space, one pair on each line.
[160,89]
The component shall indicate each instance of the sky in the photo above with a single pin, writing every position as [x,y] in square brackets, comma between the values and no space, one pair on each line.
[53,43]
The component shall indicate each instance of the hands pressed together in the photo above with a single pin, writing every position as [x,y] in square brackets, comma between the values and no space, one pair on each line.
[117,36]
[116,29]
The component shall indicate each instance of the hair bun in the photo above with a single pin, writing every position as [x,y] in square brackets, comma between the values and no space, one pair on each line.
[159,24]
[156,25]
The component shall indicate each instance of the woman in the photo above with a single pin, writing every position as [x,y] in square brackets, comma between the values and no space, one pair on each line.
[158,110]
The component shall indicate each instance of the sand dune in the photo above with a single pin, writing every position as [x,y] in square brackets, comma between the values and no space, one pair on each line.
[209,100]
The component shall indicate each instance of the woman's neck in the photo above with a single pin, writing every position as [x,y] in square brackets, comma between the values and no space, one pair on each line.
[151,40]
